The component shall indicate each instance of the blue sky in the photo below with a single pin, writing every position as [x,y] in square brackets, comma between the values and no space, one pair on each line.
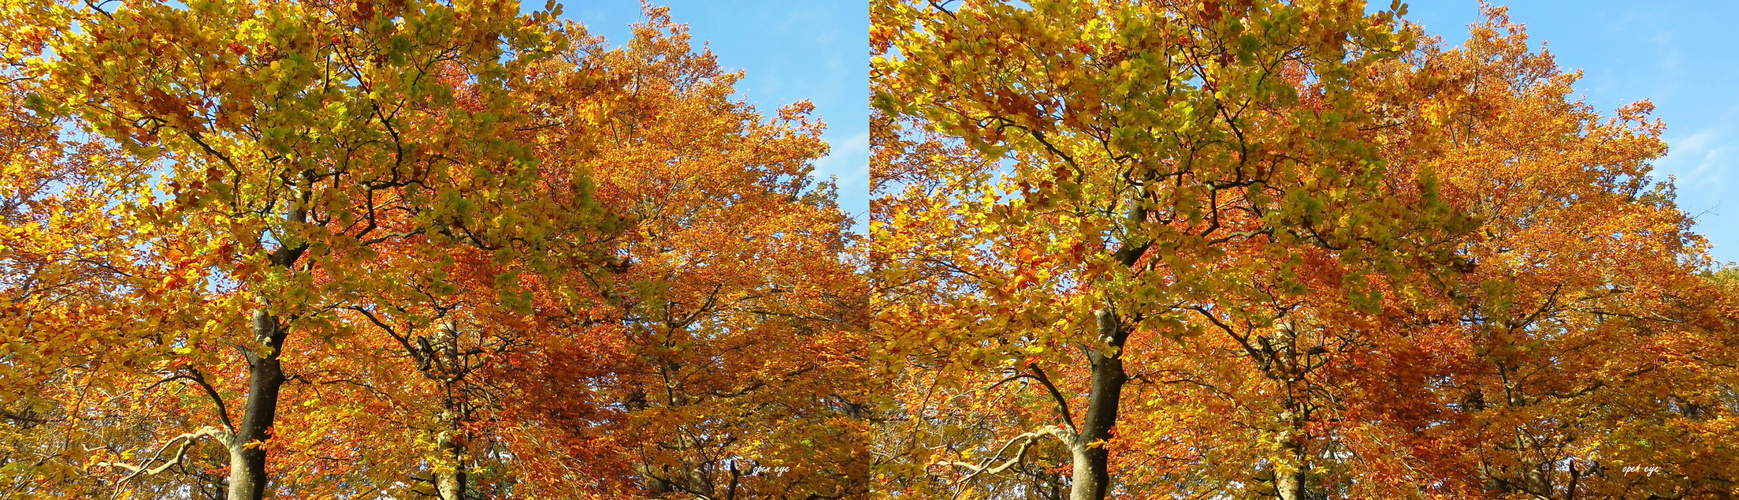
[1680,54]
[790,51]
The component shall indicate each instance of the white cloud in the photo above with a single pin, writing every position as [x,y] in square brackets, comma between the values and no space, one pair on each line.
[1700,160]
[849,159]
[849,162]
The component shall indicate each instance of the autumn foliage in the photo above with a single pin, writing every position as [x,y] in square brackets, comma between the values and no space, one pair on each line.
[1279,249]
[1117,249]
[359,249]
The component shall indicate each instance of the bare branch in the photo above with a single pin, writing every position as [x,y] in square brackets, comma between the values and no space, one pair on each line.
[1025,441]
[186,440]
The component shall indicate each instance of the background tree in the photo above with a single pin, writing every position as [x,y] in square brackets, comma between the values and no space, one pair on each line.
[1587,323]
[742,370]
[64,252]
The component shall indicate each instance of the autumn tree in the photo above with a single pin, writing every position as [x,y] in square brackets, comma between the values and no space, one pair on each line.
[287,142]
[1587,340]
[1530,367]
[461,252]
[1124,183]
[736,306]
[1513,308]
[63,251]
[717,352]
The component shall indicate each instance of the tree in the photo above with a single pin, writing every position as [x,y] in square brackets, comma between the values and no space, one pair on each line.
[57,240]
[735,299]
[1128,181]
[477,254]
[1517,308]
[287,143]
[1586,331]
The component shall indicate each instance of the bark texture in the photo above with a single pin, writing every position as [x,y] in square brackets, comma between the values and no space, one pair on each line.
[1092,474]
[247,463]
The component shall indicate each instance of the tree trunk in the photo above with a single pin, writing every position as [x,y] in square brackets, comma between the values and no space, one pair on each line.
[1092,475]
[451,369]
[1289,484]
[1088,448]
[247,461]
[451,484]
[247,464]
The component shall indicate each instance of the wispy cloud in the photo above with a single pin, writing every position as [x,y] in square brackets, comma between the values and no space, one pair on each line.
[849,159]
[1702,168]
[848,162]
[1701,160]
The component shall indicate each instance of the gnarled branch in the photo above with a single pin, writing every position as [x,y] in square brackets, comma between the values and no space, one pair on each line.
[990,466]
[186,440]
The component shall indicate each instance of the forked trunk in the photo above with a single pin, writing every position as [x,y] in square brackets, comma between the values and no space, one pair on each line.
[1092,475]
[247,456]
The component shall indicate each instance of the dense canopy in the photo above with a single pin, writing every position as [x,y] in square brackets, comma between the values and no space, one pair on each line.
[1226,249]
[363,250]
[1279,249]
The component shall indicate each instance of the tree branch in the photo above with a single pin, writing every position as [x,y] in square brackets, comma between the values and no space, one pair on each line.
[1062,402]
[180,453]
[1024,440]
[222,409]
